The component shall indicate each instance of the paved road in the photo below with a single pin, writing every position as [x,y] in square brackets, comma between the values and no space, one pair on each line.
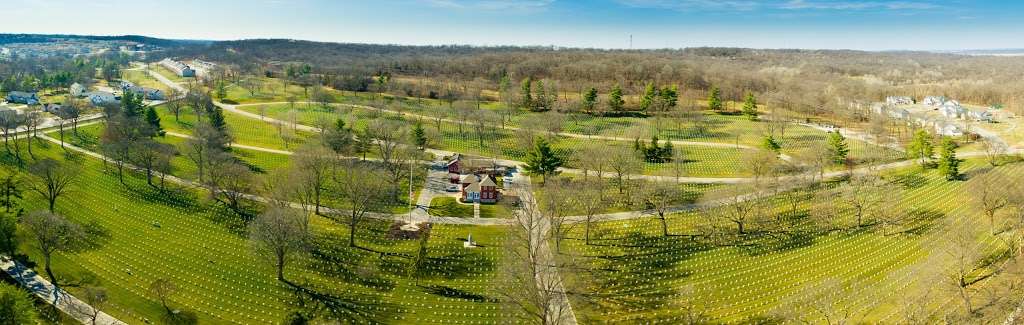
[40,287]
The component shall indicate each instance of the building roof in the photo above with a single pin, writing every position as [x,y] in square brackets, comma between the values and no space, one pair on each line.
[21,94]
[487,181]
[473,188]
[469,179]
[455,159]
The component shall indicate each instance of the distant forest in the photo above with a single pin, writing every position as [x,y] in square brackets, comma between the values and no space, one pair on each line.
[803,80]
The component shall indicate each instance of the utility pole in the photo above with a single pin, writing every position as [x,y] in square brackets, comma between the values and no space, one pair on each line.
[630,41]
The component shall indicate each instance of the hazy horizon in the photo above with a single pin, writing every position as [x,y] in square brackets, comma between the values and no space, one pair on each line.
[880,25]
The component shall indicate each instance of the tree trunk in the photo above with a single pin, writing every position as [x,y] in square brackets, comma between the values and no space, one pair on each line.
[586,235]
[52,200]
[280,267]
[352,233]
[49,272]
[664,224]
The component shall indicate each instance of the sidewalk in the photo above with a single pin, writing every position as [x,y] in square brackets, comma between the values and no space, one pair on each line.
[41,288]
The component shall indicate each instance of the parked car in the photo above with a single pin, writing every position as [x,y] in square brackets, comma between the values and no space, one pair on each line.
[453,188]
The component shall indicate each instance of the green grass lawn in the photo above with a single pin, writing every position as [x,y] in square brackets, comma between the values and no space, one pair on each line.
[170,75]
[141,235]
[447,206]
[863,272]
[143,79]
[507,144]
[245,130]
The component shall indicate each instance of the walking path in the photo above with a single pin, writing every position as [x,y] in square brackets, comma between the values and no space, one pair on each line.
[64,301]
[548,278]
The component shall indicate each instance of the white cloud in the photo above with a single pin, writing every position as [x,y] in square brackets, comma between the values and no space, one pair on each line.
[856,5]
[491,5]
[747,5]
[687,5]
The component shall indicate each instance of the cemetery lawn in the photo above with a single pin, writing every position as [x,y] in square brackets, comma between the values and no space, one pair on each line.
[139,234]
[866,271]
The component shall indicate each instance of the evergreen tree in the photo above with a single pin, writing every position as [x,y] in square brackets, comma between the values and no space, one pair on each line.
[750,107]
[590,99]
[921,148]
[131,104]
[154,121]
[715,99]
[949,164]
[670,96]
[667,152]
[526,94]
[650,94]
[542,160]
[216,117]
[419,135]
[615,101]
[540,101]
[769,143]
[837,147]
[222,89]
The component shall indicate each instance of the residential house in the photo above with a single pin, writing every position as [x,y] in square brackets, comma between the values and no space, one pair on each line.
[146,92]
[479,188]
[935,101]
[77,90]
[980,115]
[21,97]
[899,100]
[102,98]
[947,129]
[180,69]
[52,108]
[899,114]
[952,109]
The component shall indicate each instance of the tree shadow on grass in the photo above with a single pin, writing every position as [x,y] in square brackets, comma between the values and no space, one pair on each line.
[334,258]
[449,292]
[922,221]
[911,181]
[234,222]
[348,308]
[621,283]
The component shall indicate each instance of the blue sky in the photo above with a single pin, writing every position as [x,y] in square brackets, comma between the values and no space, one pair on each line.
[816,24]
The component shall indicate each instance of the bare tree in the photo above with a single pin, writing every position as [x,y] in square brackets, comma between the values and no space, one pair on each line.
[739,208]
[313,164]
[660,197]
[592,158]
[363,190]
[52,233]
[206,142]
[229,182]
[163,290]
[279,233]
[555,204]
[395,154]
[33,118]
[589,198]
[174,104]
[531,284]
[150,155]
[623,162]
[989,194]
[994,150]
[52,178]
[962,249]
[95,298]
